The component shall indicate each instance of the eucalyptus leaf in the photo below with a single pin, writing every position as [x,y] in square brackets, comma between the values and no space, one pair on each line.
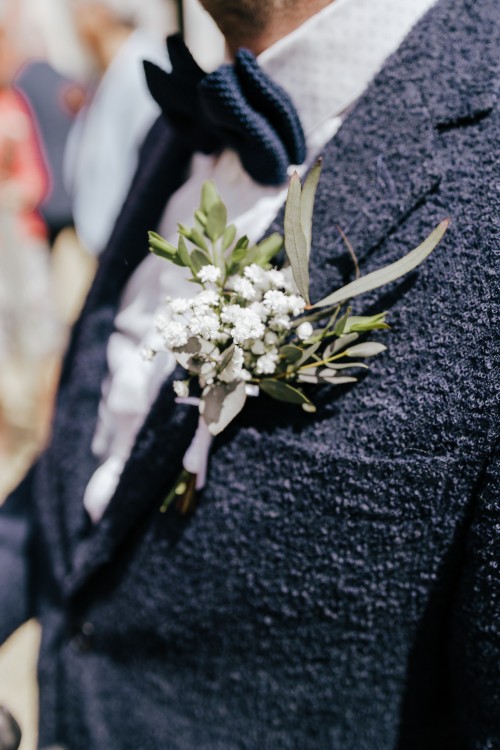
[291,353]
[209,196]
[283,392]
[226,358]
[216,221]
[295,239]
[221,403]
[307,203]
[366,349]
[389,273]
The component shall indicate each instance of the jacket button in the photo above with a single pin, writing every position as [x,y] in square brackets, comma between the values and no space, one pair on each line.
[10,732]
[83,639]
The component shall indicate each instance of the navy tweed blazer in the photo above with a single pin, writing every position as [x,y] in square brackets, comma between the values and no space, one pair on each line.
[337,587]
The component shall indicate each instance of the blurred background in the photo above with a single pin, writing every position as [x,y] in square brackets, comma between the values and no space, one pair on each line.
[74,111]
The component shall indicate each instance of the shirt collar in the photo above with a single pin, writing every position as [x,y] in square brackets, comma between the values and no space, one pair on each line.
[327,63]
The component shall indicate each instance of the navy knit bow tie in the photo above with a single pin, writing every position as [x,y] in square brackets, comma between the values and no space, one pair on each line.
[237,106]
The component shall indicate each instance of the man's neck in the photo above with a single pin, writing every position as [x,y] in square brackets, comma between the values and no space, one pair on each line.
[280,26]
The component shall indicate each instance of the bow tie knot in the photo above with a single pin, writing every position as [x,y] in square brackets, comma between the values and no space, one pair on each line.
[237,106]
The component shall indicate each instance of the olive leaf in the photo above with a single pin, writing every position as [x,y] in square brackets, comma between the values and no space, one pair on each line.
[283,392]
[307,203]
[221,403]
[339,344]
[295,239]
[389,273]
[366,349]
[291,353]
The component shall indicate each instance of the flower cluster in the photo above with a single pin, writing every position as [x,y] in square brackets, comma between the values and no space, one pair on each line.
[232,330]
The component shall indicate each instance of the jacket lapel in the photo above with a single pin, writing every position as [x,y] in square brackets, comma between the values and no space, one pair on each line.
[68,465]
[379,167]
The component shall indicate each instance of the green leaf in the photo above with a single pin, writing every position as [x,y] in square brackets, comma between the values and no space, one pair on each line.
[295,239]
[216,221]
[197,239]
[283,392]
[198,260]
[226,358]
[341,324]
[340,380]
[242,243]
[361,323]
[308,353]
[345,365]
[307,203]
[228,237]
[389,273]
[184,253]
[161,247]
[339,344]
[366,349]
[268,248]
[291,353]
[201,218]
[221,403]
[209,196]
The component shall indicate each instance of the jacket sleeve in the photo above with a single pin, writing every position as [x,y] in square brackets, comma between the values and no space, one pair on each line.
[15,537]
[475,642]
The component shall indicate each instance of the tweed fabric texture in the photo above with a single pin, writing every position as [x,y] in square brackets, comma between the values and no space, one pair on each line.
[237,106]
[338,586]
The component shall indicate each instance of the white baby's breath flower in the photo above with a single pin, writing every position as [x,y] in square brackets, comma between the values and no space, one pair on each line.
[276,301]
[181,388]
[175,334]
[266,365]
[247,326]
[261,310]
[276,279]
[305,331]
[280,323]
[179,305]
[296,304]
[209,274]
[206,298]
[258,348]
[245,289]
[161,322]
[271,338]
[205,325]
[256,275]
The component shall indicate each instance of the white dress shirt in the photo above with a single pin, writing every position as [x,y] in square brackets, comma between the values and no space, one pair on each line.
[325,65]
[103,146]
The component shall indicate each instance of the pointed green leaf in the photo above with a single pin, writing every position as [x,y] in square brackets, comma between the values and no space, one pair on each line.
[283,392]
[184,252]
[209,196]
[366,349]
[291,353]
[198,260]
[295,239]
[341,324]
[307,203]
[201,218]
[216,221]
[160,246]
[228,237]
[389,273]
[268,248]
[339,344]
[360,323]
